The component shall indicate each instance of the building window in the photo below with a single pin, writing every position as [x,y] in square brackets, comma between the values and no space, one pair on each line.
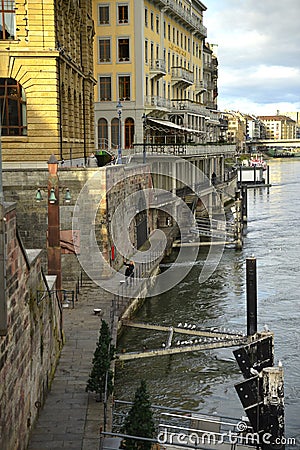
[152,51]
[13,108]
[147,86]
[165,29]
[114,132]
[129,132]
[7,19]
[124,87]
[146,17]
[169,31]
[146,52]
[123,49]
[105,89]
[157,24]
[123,14]
[104,50]
[103,15]
[102,133]
[152,21]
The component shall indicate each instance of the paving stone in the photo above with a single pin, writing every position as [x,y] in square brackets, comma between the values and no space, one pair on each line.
[71,418]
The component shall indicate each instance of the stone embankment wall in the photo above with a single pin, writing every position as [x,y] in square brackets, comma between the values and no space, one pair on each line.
[30,347]
[113,185]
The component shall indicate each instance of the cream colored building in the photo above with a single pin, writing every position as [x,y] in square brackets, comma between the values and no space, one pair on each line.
[279,127]
[46,80]
[210,76]
[237,129]
[149,56]
[295,115]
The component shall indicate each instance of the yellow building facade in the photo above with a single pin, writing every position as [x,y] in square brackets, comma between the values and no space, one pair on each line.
[150,73]
[236,129]
[46,80]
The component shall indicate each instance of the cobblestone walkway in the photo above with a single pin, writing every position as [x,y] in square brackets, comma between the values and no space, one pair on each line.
[71,418]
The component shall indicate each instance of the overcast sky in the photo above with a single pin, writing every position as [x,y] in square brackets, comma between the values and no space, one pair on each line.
[258,52]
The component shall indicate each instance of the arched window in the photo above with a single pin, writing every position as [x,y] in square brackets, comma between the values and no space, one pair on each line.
[13,108]
[114,133]
[129,132]
[102,134]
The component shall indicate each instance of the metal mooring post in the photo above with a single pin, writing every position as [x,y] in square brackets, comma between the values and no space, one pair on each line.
[251,283]
[244,204]
[272,419]
[238,221]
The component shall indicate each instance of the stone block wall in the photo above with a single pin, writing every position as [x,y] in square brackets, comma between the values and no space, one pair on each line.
[30,347]
[112,184]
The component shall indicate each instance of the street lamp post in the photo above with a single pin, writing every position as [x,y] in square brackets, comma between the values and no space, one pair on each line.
[53,230]
[119,109]
[144,117]
[53,247]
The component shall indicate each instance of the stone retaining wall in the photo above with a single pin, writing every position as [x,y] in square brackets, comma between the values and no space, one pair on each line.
[30,347]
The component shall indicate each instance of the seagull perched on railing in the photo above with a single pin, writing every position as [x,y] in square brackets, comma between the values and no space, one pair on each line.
[266,328]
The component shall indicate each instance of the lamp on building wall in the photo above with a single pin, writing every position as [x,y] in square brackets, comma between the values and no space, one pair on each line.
[119,109]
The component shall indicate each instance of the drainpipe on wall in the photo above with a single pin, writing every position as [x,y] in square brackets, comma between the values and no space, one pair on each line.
[60,111]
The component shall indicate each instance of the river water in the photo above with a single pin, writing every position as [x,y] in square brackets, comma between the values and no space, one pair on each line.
[204,381]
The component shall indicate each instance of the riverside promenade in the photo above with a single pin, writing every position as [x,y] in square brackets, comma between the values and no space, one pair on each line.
[71,418]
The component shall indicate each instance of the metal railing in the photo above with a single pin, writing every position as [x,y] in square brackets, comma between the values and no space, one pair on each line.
[160,102]
[181,73]
[201,150]
[158,65]
[187,16]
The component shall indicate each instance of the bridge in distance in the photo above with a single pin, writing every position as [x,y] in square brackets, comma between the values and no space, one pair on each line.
[275,143]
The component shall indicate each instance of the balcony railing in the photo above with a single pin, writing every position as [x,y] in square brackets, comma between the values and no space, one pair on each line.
[158,66]
[201,150]
[157,102]
[201,86]
[183,76]
[185,15]
[190,106]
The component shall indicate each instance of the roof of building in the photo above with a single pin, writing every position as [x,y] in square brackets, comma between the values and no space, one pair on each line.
[276,117]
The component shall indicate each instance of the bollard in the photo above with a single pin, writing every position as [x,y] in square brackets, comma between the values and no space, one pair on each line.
[244,205]
[238,222]
[251,283]
[272,418]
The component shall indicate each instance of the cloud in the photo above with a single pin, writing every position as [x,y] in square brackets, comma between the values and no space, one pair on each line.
[258,51]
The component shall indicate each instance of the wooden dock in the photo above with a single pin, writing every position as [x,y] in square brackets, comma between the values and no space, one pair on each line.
[211,340]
